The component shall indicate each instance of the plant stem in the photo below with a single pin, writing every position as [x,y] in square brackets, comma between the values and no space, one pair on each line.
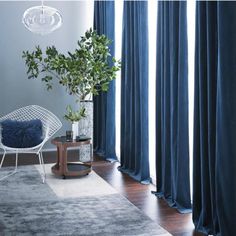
[48,70]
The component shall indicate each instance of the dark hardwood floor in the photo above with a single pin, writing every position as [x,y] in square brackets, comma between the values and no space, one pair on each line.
[140,195]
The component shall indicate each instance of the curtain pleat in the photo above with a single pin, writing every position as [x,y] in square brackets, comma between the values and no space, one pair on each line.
[134,91]
[172,141]
[104,104]
[214,181]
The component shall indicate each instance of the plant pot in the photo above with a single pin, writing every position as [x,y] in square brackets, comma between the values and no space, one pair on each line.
[86,124]
[86,129]
[75,129]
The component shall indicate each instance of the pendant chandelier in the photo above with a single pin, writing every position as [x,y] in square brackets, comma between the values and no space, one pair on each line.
[42,19]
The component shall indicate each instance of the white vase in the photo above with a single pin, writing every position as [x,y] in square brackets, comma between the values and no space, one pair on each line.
[75,129]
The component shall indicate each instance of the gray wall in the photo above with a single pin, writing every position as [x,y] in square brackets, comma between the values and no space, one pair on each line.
[15,89]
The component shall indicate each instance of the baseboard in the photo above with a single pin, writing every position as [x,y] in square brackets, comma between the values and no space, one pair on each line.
[44,150]
[49,156]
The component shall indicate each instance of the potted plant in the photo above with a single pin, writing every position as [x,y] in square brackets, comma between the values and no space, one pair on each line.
[84,72]
[74,117]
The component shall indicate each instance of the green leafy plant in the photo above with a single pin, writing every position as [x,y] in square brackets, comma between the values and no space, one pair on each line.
[85,71]
[74,116]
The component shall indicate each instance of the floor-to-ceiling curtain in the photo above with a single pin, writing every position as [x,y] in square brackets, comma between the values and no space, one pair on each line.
[134,91]
[104,104]
[172,142]
[214,157]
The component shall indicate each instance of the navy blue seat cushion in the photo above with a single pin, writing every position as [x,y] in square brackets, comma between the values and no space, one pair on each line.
[21,134]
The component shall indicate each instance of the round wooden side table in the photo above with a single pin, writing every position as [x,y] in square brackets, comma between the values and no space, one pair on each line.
[64,168]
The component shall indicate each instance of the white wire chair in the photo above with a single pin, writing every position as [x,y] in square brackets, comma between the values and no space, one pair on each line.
[50,125]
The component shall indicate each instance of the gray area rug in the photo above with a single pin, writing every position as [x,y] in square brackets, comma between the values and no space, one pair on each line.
[28,207]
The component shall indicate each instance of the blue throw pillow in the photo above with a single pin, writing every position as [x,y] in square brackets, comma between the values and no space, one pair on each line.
[21,134]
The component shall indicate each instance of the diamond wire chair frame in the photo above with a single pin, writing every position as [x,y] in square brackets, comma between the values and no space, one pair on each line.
[50,125]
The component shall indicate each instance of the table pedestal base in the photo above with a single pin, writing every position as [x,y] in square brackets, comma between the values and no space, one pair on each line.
[64,168]
[72,169]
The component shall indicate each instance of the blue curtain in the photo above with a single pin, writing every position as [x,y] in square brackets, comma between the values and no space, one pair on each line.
[104,104]
[134,91]
[214,180]
[172,142]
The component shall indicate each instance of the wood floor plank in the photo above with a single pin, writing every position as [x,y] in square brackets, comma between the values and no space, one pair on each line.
[140,195]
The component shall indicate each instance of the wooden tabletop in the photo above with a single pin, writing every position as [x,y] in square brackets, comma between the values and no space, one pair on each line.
[61,141]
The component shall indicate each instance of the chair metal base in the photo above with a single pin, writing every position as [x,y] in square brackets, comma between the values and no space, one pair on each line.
[41,162]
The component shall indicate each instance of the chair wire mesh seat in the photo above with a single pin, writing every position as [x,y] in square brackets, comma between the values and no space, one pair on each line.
[50,125]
